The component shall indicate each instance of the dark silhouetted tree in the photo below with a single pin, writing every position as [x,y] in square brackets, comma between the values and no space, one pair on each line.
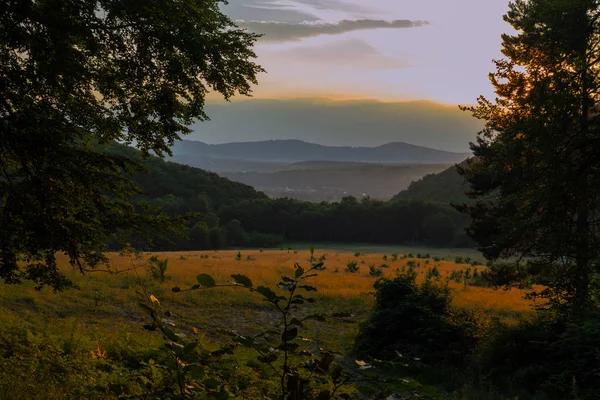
[78,73]
[536,171]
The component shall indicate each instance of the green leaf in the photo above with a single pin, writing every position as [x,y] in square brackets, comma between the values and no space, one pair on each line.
[196,371]
[296,321]
[188,348]
[299,271]
[268,358]
[242,280]
[336,373]
[206,280]
[290,334]
[211,383]
[176,289]
[308,288]
[266,292]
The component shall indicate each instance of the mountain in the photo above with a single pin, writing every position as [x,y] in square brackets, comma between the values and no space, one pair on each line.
[291,151]
[444,187]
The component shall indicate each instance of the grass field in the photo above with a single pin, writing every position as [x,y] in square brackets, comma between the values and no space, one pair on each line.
[103,313]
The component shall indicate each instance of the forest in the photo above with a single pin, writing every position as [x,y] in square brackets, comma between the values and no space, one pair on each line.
[124,276]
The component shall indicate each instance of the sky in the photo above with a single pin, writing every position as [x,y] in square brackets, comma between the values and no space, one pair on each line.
[327,52]
[438,50]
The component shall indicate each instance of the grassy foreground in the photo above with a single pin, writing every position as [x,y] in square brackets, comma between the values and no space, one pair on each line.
[79,330]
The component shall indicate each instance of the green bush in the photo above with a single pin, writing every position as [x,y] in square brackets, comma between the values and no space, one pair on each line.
[544,358]
[352,266]
[416,320]
[158,268]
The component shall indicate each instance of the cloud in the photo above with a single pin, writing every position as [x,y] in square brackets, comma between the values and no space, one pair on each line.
[352,53]
[284,31]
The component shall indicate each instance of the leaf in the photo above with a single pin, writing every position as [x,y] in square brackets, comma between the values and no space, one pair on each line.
[266,292]
[150,327]
[206,280]
[211,383]
[154,299]
[336,373]
[299,271]
[296,321]
[176,289]
[290,334]
[360,362]
[268,358]
[242,280]
[308,288]
[188,348]
[170,334]
[196,371]
[305,353]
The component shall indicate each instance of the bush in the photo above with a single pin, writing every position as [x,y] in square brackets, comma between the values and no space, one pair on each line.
[158,268]
[352,266]
[375,272]
[416,320]
[545,358]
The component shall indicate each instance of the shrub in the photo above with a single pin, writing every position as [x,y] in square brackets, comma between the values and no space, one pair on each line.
[375,272]
[416,320]
[357,254]
[459,260]
[394,256]
[352,266]
[545,358]
[158,268]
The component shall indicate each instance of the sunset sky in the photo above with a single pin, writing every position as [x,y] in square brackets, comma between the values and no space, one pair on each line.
[393,51]
[436,50]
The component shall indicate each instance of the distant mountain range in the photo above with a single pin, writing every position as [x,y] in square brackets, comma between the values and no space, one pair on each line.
[293,151]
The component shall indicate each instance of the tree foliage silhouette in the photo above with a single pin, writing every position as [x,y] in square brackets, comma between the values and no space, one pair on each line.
[535,174]
[78,73]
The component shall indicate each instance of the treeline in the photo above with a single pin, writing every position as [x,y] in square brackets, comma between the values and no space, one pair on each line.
[235,214]
[351,220]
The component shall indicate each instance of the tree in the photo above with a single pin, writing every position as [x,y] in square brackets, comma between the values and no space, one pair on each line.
[535,174]
[76,74]
[199,235]
[438,229]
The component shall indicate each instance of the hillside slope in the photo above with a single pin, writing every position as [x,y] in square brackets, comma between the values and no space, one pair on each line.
[444,187]
[181,188]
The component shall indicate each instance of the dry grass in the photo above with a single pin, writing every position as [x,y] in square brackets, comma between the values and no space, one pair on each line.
[265,268]
[105,308]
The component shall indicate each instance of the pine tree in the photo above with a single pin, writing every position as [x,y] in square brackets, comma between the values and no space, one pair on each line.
[535,172]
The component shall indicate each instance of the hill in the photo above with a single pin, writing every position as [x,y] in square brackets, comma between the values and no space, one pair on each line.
[444,187]
[181,188]
[291,151]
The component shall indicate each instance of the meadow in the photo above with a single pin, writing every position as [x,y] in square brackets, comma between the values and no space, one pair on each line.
[102,318]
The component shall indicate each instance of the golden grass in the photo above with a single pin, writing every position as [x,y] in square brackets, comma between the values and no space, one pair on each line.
[265,268]
[105,308]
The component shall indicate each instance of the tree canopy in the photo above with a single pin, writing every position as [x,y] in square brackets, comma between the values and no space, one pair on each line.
[80,72]
[535,175]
